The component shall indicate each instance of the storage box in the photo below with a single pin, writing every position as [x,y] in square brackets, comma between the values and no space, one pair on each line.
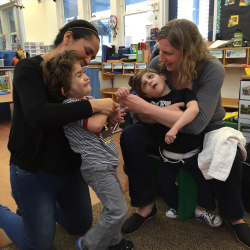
[231,124]
[7,55]
[124,51]
[116,57]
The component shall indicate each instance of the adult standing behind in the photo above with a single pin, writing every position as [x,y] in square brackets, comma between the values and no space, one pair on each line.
[46,181]
[185,60]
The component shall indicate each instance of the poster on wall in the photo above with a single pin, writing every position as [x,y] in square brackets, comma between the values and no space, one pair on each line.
[239,20]
[229,2]
[244,2]
[233,20]
[244,109]
[244,128]
[245,90]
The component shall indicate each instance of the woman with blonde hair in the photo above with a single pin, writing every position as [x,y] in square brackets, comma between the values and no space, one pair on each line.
[184,59]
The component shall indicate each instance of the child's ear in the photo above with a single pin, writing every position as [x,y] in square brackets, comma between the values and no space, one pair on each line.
[63,92]
[163,77]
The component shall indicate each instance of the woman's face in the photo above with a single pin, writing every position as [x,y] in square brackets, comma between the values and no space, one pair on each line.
[86,49]
[169,55]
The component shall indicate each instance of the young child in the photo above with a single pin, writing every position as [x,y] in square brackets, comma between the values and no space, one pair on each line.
[176,149]
[66,80]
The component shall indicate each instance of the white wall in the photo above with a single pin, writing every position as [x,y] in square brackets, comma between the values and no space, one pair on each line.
[51,21]
[231,85]
[40,21]
[4,1]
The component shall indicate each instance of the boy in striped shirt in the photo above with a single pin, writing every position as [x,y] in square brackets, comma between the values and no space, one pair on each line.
[92,139]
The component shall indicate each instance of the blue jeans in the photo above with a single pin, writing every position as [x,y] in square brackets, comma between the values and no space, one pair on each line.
[43,200]
[137,142]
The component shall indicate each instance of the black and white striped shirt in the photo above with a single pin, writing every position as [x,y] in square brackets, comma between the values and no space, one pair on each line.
[91,146]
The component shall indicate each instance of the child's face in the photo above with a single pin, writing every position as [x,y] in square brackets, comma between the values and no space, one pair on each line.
[80,83]
[153,85]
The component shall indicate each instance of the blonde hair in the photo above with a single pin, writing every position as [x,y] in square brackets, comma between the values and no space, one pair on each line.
[136,79]
[184,35]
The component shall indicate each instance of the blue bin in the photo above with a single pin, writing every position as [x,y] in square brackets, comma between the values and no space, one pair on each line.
[124,51]
[7,55]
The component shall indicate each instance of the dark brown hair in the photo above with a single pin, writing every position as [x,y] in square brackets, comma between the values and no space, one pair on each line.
[184,35]
[80,29]
[57,74]
[136,79]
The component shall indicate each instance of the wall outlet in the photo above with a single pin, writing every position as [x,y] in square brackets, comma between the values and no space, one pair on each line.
[156,5]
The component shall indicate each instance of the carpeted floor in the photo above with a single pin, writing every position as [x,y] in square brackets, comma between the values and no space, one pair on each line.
[161,233]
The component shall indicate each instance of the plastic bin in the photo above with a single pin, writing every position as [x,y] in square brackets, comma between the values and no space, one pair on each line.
[231,124]
[7,55]
[124,51]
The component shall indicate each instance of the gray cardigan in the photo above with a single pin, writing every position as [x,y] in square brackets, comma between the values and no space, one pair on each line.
[207,87]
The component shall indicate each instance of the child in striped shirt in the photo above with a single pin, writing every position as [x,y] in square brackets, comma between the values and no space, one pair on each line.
[65,78]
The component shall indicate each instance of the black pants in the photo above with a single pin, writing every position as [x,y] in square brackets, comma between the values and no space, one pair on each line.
[138,141]
[169,191]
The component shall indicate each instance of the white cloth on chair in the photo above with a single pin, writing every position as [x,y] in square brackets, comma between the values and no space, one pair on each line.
[219,150]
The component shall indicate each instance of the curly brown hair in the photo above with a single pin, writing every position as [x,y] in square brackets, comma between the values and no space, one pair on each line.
[136,79]
[184,35]
[57,74]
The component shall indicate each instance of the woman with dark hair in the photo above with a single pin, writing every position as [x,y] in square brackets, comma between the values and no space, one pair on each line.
[185,60]
[45,176]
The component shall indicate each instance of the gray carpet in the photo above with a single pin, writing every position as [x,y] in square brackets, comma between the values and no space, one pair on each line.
[161,233]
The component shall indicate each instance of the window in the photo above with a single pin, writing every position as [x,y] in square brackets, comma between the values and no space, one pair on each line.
[11,21]
[1,28]
[100,12]
[141,31]
[10,34]
[100,8]
[70,10]
[131,5]
[137,12]
[196,11]
[12,25]
[104,32]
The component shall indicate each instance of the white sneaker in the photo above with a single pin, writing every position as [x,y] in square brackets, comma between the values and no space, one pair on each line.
[210,219]
[172,213]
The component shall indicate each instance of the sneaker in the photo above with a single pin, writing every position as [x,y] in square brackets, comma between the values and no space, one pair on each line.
[210,219]
[242,233]
[133,223]
[172,213]
[79,244]
[123,245]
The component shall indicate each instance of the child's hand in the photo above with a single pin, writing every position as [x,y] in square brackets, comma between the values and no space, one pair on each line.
[171,135]
[118,115]
[122,93]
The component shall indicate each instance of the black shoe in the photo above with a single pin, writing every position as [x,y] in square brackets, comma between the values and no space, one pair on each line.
[123,245]
[133,223]
[242,233]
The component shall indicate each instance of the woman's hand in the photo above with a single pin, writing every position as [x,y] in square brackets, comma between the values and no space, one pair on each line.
[105,106]
[122,93]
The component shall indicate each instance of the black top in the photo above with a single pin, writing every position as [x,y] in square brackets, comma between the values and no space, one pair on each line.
[184,142]
[37,140]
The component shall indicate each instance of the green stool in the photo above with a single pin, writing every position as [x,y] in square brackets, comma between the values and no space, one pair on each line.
[187,190]
[187,194]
